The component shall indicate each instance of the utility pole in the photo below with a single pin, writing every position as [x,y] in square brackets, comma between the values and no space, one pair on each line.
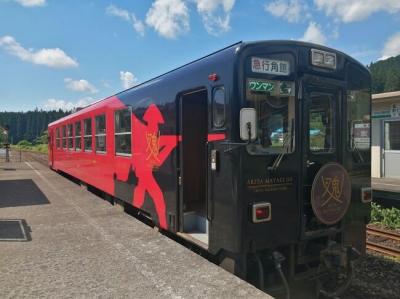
[6,129]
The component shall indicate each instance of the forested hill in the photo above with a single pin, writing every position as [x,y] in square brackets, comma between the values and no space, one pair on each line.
[28,125]
[385,75]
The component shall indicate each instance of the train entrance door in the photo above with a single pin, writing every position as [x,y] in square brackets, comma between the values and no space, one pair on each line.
[321,140]
[192,174]
[51,144]
[321,136]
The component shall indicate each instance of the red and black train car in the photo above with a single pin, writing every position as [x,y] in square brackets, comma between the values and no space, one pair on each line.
[258,153]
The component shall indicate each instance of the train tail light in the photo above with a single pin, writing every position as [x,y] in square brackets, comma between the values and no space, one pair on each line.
[366,194]
[261,212]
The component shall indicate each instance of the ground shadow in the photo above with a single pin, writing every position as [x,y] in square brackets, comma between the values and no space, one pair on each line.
[15,193]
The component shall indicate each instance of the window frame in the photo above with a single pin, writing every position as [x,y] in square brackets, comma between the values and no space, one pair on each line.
[333,107]
[289,57]
[85,135]
[96,135]
[70,137]
[387,134]
[129,109]
[357,86]
[64,137]
[214,110]
[58,141]
[288,145]
[78,136]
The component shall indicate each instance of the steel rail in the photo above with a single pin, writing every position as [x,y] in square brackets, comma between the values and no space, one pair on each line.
[383,249]
[383,233]
[38,157]
[386,250]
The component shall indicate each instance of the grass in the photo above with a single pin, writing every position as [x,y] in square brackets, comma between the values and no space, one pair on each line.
[27,146]
[389,218]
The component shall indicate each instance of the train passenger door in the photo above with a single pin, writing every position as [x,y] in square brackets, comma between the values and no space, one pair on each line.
[192,168]
[51,144]
[322,123]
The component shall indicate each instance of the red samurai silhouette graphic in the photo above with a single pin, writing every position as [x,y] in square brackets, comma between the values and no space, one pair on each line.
[150,150]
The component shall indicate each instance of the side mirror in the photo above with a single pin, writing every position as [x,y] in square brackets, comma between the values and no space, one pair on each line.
[248,124]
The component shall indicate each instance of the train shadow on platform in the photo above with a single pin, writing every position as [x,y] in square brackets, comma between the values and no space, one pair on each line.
[24,192]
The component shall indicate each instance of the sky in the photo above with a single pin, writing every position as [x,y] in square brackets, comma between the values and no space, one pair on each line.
[63,54]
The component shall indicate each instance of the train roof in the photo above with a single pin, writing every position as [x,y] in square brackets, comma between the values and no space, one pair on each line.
[236,47]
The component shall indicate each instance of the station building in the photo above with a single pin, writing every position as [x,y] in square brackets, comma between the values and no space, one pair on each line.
[385,152]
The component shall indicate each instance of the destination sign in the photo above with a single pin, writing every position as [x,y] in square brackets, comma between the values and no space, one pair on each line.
[261,86]
[275,88]
[270,66]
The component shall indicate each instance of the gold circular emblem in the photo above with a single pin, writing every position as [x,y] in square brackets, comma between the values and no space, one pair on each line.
[331,193]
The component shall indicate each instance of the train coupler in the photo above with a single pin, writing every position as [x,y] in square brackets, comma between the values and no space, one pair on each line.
[335,255]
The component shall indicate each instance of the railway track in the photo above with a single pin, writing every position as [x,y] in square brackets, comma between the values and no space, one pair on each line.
[42,158]
[24,155]
[381,248]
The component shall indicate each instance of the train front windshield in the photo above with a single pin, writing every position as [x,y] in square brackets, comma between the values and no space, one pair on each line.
[274,102]
[270,89]
[358,117]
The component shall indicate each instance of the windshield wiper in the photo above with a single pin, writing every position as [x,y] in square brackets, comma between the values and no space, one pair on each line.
[279,158]
[287,144]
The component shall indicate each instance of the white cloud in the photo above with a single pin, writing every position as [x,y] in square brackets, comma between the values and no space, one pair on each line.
[292,11]
[169,18]
[79,85]
[215,14]
[31,3]
[113,10]
[211,5]
[313,34]
[392,47]
[128,79]
[55,58]
[125,15]
[55,104]
[356,10]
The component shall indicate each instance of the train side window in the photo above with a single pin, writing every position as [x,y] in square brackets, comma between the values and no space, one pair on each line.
[64,137]
[123,132]
[218,107]
[70,137]
[58,138]
[87,135]
[101,133]
[78,134]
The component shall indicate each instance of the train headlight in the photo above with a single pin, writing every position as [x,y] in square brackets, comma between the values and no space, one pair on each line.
[318,58]
[323,59]
[330,59]
[366,194]
[261,212]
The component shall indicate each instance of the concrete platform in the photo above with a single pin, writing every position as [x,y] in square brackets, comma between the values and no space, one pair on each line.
[72,244]
[386,184]
[386,192]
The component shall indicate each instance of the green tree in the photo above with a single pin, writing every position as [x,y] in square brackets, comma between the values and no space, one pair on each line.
[385,75]
[29,125]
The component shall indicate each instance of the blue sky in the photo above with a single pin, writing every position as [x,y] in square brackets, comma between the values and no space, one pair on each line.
[60,54]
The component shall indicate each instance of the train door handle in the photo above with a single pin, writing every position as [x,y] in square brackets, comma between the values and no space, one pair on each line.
[309,163]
